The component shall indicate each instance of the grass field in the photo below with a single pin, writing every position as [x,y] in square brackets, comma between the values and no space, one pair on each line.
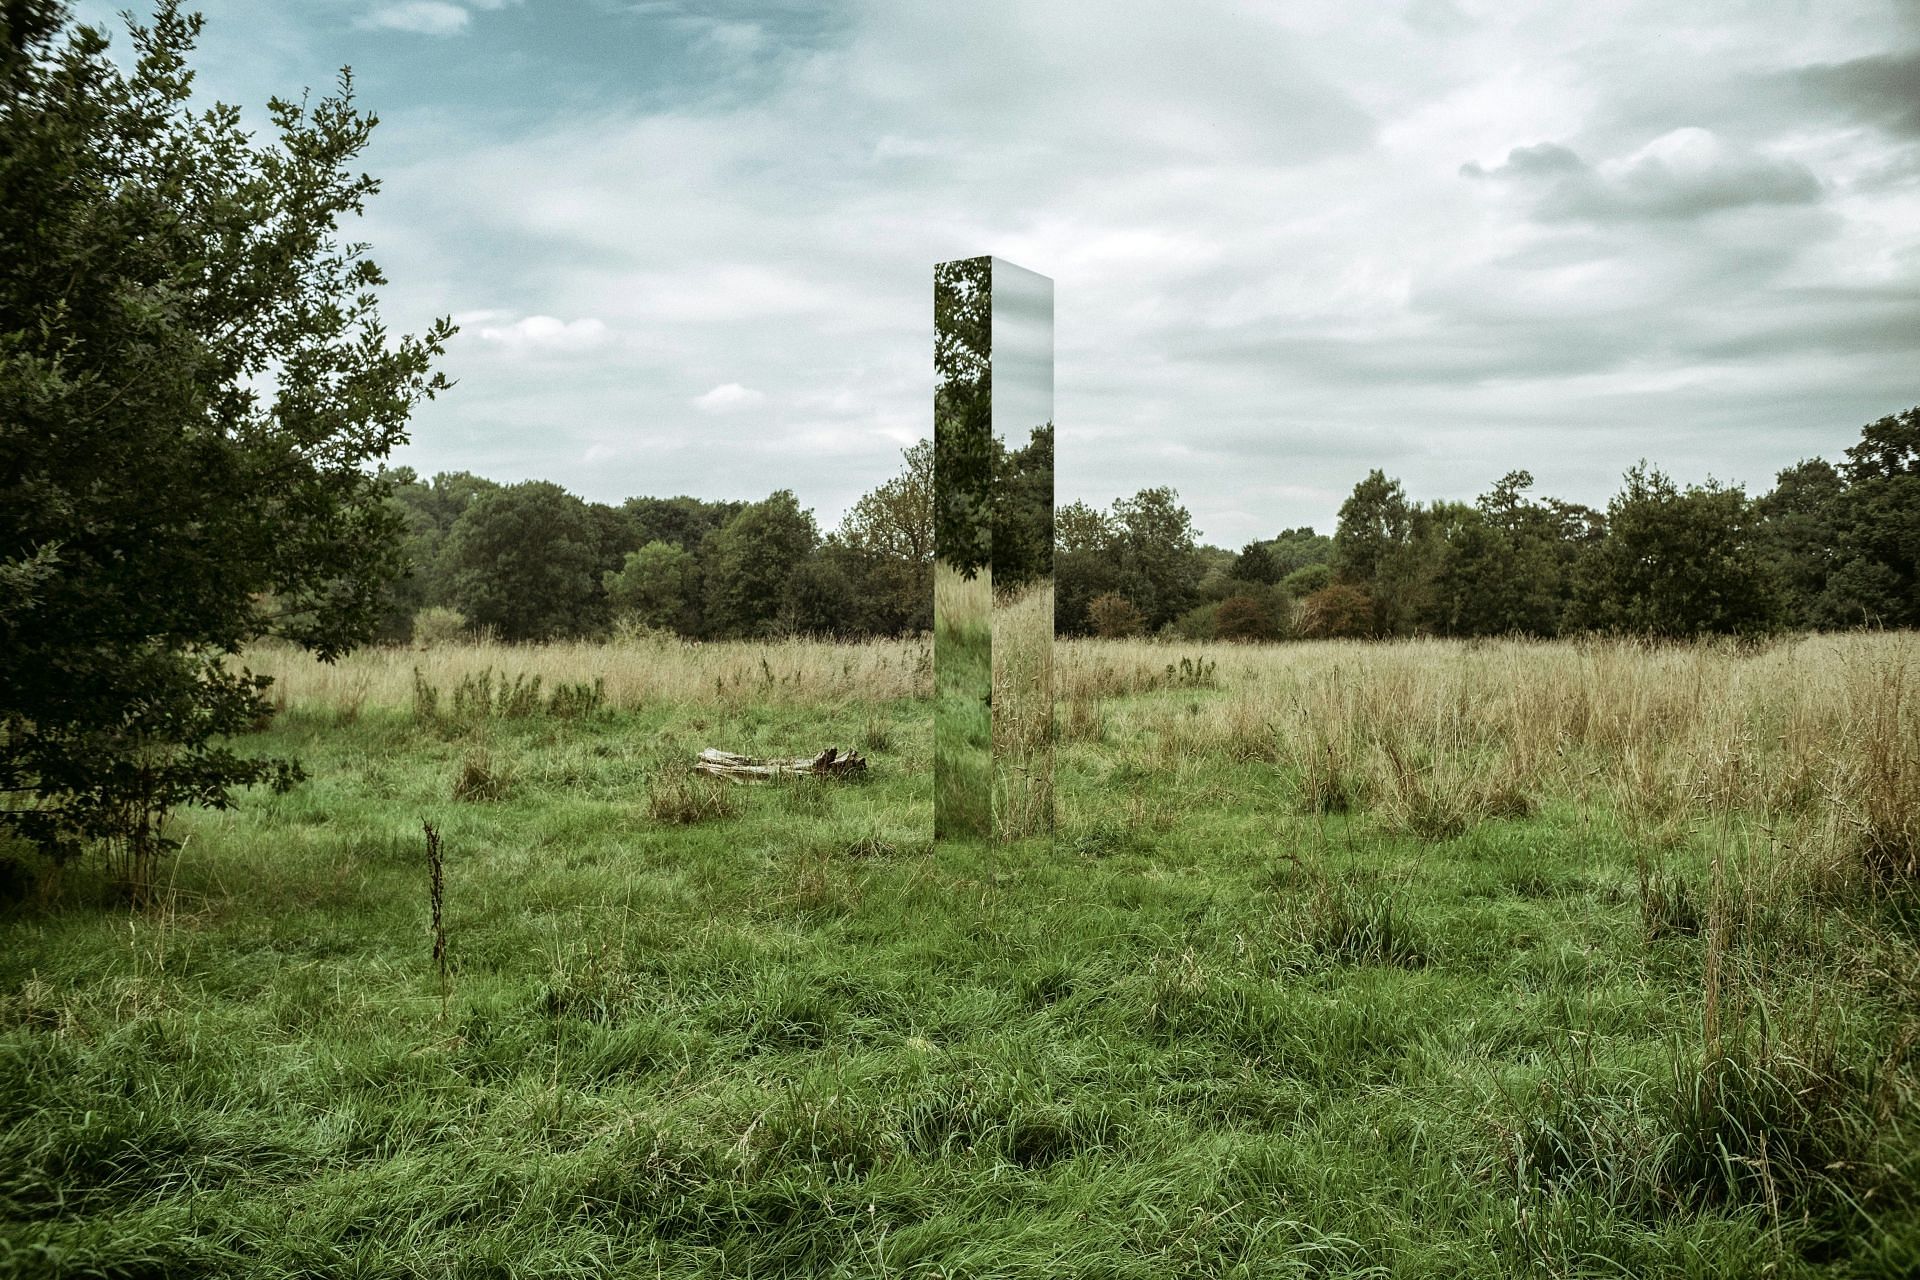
[1415,960]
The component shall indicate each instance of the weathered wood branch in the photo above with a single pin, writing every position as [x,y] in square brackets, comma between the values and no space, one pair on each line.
[738,768]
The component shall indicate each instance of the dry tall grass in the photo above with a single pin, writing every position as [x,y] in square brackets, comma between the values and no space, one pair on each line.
[1023,712]
[960,604]
[637,673]
[1819,736]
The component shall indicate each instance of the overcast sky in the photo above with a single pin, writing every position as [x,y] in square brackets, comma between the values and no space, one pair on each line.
[690,245]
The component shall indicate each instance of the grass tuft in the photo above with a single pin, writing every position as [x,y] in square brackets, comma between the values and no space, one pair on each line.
[481,777]
[680,797]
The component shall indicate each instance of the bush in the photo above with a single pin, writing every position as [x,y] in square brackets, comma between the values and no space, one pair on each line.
[632,629]
[1337,612]
[1302,583]
[196,391]
[1196,624]
[438,625]
[1244,618]
[1114,617]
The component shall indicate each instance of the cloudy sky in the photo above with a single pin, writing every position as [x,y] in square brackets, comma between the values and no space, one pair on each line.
[690,244]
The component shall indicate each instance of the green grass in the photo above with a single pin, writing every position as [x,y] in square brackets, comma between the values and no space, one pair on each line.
[778,1031]
[963,706]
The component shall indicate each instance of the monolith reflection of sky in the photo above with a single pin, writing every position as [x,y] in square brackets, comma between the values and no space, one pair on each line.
[1022,352]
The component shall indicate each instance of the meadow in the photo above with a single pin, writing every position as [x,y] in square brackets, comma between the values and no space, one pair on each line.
[1416,959]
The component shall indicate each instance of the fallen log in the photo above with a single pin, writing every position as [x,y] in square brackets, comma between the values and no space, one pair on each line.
[738,768]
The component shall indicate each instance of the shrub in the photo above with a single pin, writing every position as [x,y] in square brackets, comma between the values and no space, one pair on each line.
[1197,623]
[1304,582]
[1114,617]
[1244,618]
[437,625]
[1338,612]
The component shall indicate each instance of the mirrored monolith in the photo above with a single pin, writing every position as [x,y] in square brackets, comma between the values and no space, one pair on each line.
[993,541]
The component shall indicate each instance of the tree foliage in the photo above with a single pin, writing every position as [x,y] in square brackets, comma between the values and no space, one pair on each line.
[1376,545]
[656,585]
[1829,546]
[1023,511]
[1503,566]
[1114,617]
[194,385]
[1157,554]
[963,413]
[895,520]
[746,565]
[1340,611]
[1674,562]
[521,561]
[1877,578]
[1257,563]
[1244,617]
[888,535]
[1143,551]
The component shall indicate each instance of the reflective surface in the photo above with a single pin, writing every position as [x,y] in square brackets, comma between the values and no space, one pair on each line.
[993,538]
[1022,378]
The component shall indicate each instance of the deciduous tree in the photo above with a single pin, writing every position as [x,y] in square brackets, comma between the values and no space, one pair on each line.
[1373,549]
[1675,562]
[1158,561]
[1878,579]
[195,387]
[1023,511]
[656,585]
[890,532]
[523,560]
[745,566]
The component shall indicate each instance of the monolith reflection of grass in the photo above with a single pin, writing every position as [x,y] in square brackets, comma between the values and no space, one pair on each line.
[963,710]
[1023,712]
[1414,960]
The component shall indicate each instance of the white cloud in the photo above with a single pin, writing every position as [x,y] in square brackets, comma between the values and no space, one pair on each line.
[1687,173]
[540,333]
[424,17]
[1263,249]
[728,397]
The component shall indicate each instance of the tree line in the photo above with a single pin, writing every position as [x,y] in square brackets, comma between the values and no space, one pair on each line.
[532,561]
[1829,546]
